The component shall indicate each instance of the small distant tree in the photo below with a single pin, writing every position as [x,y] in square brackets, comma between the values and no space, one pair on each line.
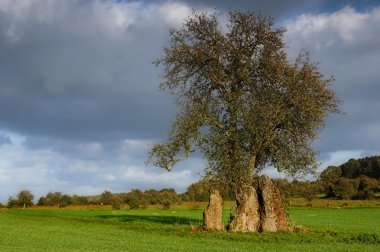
[168,196]
[12,202]
[345,188]
[25,198]
[42,201]
[79,200]
[54,199]
[199,191]
[329,178]
[107,198]
[66,200]
[367,187]
[351,169]
[309,192]
[133,198]
[152,196]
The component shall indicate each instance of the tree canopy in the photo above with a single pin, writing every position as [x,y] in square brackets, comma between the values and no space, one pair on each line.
[242,103]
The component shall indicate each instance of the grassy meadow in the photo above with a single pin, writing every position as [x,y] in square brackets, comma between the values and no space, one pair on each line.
[154,229]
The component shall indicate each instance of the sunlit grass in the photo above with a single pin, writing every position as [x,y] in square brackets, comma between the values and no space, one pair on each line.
[154,229]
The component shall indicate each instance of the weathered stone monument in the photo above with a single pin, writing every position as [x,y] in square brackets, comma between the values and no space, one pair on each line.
[247,217]
[272,212]
[258,210]
[212,215]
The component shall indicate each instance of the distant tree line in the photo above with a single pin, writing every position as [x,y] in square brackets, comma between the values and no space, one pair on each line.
[354,168]
[135,199]
[355,179]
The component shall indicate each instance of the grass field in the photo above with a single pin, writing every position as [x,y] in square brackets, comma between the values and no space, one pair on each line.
[332,229]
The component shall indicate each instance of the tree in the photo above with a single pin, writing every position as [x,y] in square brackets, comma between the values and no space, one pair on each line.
[309,192]
[242,104]
[107,198]
[345,188]
[329,178]
[79,200]
[134,198]
[12,202]
[367,187]
[351,169]
[42,201]
[66,200]
[54,199]
[25,198]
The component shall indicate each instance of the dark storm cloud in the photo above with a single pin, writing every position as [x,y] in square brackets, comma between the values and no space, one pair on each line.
[81,74]
[276,8]
[5,139]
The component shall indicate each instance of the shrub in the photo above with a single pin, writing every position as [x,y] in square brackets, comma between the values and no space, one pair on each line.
[166,204]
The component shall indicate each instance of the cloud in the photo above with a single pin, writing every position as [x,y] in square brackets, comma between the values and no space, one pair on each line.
[4,139]
[79,99]
[83,70]
[348,46]
[269,7]
[120,168]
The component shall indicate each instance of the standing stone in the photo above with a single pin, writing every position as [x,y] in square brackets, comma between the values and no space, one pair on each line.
[212,215]
[247,218]
[272,211]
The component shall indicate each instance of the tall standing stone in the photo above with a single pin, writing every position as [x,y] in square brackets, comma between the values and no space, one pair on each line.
[273,217]
[247,217]
[212,215]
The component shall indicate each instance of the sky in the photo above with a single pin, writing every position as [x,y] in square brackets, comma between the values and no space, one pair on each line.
[80,104]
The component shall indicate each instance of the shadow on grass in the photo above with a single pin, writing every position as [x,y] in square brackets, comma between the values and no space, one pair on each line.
[175,220]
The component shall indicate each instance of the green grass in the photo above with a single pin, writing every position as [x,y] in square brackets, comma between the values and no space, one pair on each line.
[353,229]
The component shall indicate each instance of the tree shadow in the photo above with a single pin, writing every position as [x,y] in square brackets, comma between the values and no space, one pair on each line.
[174,220]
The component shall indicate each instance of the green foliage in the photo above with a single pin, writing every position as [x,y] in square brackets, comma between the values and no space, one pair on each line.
[368,166]
[241,102]
[345,188]
[200,191]
[79,200]
[133,198]
[108,198]
[355,179]
[12,202]
[369,238]
[65,200]
[166,204]
[54,199]
[23,199]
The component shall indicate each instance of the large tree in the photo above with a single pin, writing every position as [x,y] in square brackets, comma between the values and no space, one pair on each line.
[242,103]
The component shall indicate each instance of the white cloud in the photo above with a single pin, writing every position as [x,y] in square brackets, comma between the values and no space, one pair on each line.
[347,43]
[346,27]
[120,169]
[177,179]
